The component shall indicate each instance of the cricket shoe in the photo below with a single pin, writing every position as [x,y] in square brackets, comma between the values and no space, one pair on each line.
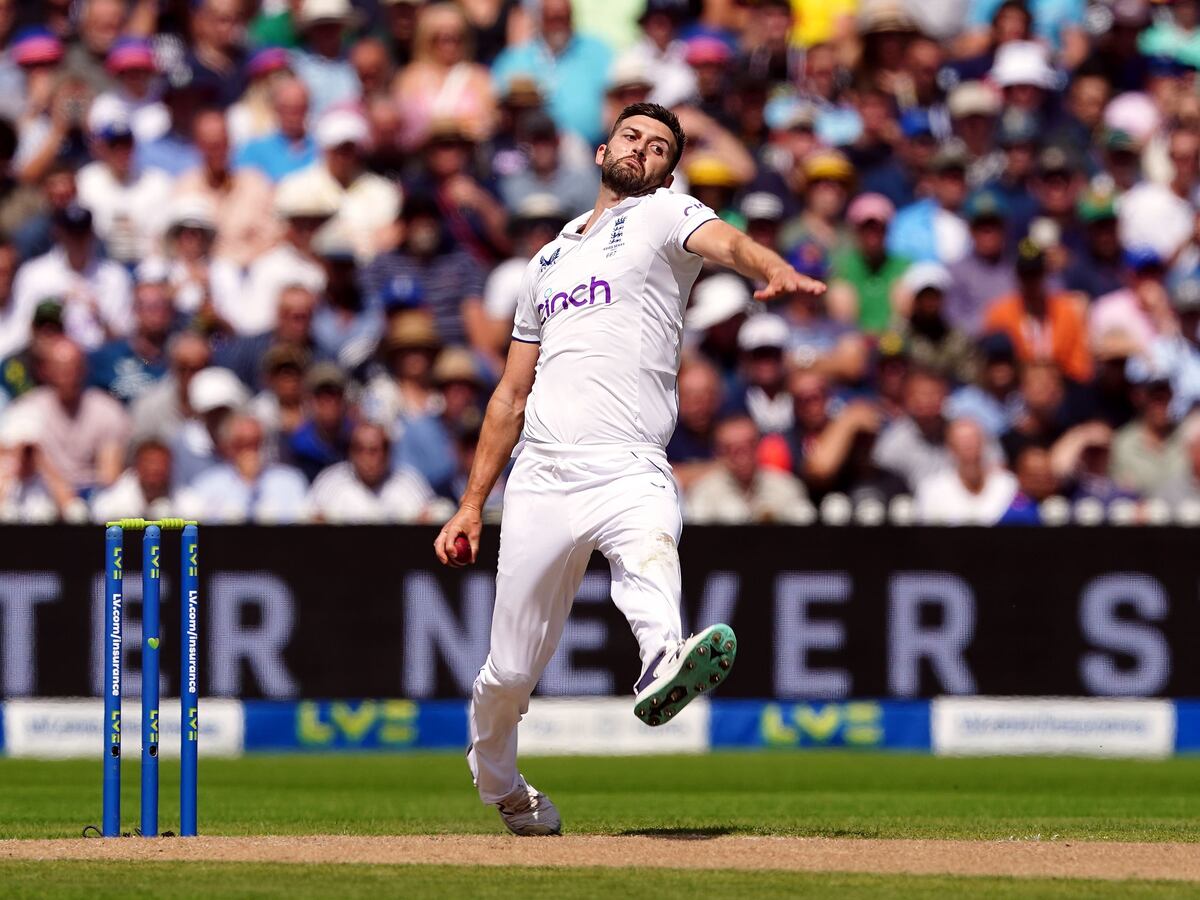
[527,812]
[681,673]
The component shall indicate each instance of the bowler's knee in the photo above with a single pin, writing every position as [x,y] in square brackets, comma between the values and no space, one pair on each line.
[492,679]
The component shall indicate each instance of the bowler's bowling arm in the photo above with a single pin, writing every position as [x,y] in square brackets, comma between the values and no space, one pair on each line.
[502,426]
[721,243]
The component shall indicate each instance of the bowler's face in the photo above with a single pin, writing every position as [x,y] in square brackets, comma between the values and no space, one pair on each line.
[644,148]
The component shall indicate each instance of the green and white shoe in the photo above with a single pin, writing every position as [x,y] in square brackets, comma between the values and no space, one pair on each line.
[681,673]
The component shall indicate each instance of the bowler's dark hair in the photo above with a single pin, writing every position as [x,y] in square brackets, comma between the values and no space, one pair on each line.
[659,114]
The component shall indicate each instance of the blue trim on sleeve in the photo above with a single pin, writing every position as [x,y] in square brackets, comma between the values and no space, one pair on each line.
[523,341]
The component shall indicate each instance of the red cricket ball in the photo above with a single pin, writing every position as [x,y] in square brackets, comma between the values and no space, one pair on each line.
[462,549]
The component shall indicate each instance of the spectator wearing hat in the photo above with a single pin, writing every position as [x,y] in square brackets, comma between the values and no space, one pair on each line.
[366,204]
[320,60]
[293,262]
[45,107]
[1138,313]
[1176,351]
[931,340]
[714,183]
[992,399]
[986,272]
[451,279]
[828,176]
[403,389]
[763,341]
[235,199]
[864,274]
[1097,268]
[1057,187]
[660,50]
[96,292]
[244,486]
[1017,135]
[888,163]
[972,490]
[293,325]
[127,367]
[323,438]
[931,229]
[252,115]
[31,491]
[23,371]
[288,149]
[719,305]
[345,327]
[629,82]
[739,490]
[143,490]
[1040,323]
[1023,74]
[884,28]
[791,137]
[820,340]
[175,151]
[213,395]
[206,291]
[426,444]
[1148,453]
[537,221]
[547,172]
[1175,36]
[762,213]
[473,217]
[137,98]
[161,410]
[83,430]
[279,406]
[216,57]
[709,58]
[129,204]
[364,488]
[570,68]
[442,80]
[974,107]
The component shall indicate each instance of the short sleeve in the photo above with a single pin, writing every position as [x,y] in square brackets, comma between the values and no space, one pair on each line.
[673,219]
[527,326]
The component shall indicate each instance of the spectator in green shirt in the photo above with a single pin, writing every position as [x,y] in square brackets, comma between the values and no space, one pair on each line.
[864,275]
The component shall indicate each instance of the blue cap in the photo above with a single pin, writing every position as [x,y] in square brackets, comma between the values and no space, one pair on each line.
[915,123]
[402,292]
[1167,67]
[810,259]
[1139,258]
[985,205]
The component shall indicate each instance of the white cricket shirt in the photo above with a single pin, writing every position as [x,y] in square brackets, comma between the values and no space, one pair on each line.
[607,308]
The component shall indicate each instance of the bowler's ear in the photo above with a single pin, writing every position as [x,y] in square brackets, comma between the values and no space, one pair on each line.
[600,151]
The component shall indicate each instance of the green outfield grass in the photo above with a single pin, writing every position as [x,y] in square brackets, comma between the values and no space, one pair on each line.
[96,880]
[815,793]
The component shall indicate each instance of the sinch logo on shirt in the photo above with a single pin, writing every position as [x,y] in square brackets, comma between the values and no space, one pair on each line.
[581,295]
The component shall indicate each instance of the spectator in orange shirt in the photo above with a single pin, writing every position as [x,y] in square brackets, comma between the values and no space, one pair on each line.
[1041,325]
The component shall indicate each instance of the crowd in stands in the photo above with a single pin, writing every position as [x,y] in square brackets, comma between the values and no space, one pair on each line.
[259,260]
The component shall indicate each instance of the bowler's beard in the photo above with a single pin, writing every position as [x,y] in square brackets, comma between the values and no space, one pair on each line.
[622,180]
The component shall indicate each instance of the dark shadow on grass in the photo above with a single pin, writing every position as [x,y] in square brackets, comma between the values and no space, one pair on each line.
[678,834]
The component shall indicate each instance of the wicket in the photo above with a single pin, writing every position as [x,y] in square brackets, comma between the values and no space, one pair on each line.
[189,592]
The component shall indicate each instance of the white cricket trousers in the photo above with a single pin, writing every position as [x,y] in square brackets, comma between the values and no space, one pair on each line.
[561,503]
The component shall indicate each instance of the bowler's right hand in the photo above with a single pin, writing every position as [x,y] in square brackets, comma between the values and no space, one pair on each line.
[466,521]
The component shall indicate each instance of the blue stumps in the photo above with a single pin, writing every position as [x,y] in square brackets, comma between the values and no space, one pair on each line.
[189,677]
[151,548]
[113,609]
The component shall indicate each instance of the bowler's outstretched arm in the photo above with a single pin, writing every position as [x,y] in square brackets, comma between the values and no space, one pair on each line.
[501,430]
[723,244]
